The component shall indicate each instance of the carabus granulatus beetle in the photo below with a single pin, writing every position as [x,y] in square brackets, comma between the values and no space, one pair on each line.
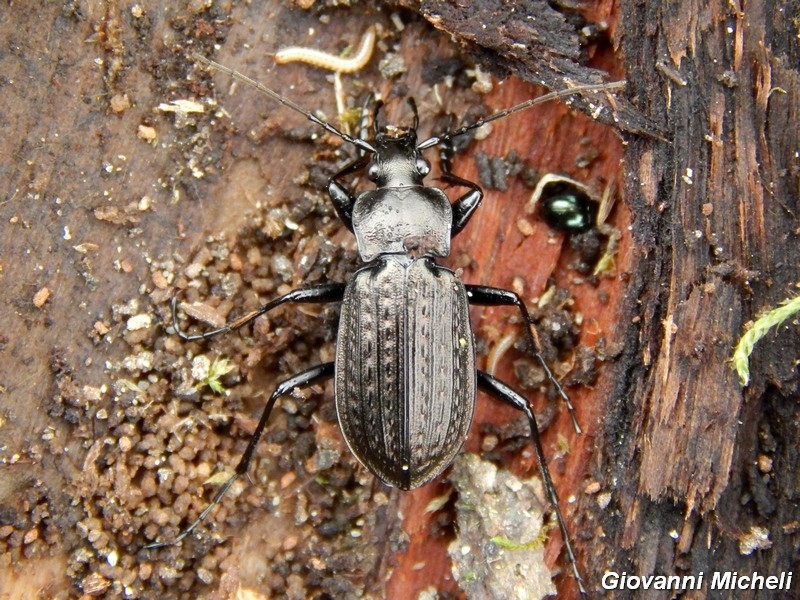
[404,372]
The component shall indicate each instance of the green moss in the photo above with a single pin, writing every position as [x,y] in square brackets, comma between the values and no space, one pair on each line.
[770,319]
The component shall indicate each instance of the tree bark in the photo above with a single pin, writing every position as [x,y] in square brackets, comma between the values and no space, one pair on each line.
[716,234]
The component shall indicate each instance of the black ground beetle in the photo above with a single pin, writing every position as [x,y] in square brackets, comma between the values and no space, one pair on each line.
[405,376]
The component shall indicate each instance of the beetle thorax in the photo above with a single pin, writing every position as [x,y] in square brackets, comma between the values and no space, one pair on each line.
[412,220]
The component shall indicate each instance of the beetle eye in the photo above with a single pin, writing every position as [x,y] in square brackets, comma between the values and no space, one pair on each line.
[372,171]
[423,166]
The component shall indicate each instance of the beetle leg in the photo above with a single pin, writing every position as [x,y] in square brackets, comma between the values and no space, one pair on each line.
[499,390]
[465,206]
[307,377]
[343,199]
[328,292]
[489,296]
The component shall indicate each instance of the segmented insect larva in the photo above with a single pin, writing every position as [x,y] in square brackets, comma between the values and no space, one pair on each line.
[330,62]
[499,349]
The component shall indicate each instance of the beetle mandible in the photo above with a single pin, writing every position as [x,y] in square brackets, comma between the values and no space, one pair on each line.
[404,372]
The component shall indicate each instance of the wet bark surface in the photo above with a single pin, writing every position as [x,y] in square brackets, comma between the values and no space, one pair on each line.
[132,173]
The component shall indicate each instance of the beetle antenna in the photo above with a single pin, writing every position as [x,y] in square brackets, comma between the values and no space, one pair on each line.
[598,87]
[357,142]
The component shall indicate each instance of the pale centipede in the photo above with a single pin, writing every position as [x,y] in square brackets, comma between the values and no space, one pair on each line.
[323,60]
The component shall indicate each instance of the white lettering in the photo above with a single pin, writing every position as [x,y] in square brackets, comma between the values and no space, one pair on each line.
[699,581]
[610,580]
[648,581]
[721,581]
[673,582]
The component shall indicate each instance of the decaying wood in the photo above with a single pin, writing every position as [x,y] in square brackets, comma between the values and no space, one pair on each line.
[717,245]
[543,45]
[112,186]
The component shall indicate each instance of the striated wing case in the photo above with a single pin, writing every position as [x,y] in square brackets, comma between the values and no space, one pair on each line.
[405,369]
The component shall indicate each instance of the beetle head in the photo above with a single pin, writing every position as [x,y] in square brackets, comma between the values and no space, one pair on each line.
[397,162]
